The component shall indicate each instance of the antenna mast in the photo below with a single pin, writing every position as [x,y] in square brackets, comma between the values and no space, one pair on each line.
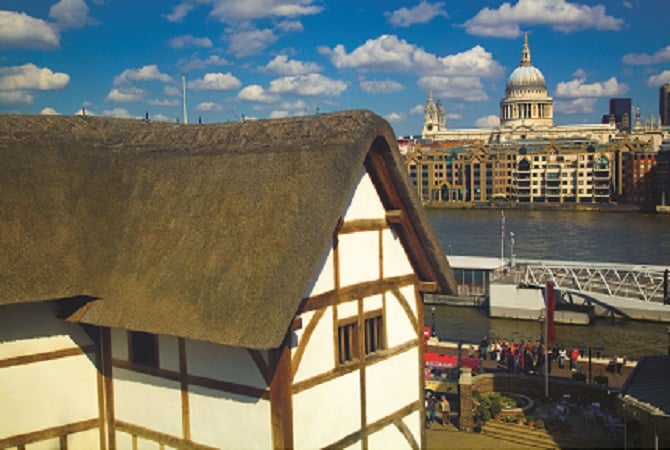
[183,90]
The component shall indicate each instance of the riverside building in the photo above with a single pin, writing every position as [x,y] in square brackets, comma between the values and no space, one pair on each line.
[529,159]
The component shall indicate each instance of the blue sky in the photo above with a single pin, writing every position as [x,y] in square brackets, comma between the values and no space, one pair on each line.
[280,58]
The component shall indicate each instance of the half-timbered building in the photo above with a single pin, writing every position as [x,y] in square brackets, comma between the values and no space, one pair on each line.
[239,285]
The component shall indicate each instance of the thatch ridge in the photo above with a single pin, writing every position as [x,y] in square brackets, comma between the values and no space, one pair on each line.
[211,232]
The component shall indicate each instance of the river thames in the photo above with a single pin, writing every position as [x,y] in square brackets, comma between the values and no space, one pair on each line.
[632,238]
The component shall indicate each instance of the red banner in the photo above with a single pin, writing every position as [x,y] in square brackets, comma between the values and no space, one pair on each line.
[550,303]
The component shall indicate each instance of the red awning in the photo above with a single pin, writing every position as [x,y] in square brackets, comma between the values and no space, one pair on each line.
[442,361]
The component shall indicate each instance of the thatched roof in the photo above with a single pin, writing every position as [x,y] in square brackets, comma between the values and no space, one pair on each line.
[648,386]
[211,232]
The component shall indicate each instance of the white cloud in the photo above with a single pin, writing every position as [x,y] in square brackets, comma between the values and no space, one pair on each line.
[71,14]
[187,40]
[125,94]
[195,63]
[491,121]
[283,66]
[418,110]
[384,52]
[162,118]
[215,82]
[48,111]
[249,42]
[164,102]
[209,106]
[232,11]
[660,79]
[558,14]
[15,98]
[387,52]
[172,91]
[394,117]
[575,106]
[290,26]
[312,84]
[465,88]
[422,13]
[255,93]
[660,56]
[278,114]
[577,88]
[179,12]
[19,30]
[31,77]
[146,73]
[381,86]
[119,113]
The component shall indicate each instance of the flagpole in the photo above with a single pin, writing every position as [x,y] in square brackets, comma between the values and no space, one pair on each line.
[546,350]
[502,239]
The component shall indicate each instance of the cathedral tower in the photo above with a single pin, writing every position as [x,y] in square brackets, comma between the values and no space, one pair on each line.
[526,102]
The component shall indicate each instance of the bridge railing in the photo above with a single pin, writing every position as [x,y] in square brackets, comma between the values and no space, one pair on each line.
[647,283]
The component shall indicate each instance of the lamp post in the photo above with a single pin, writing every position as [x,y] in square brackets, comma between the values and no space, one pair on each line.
[432,326]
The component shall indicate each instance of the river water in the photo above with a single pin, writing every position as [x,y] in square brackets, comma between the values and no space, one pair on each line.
[633,238]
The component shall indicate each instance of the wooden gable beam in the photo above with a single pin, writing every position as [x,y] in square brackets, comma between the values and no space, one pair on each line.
[381,176]
[427,286]
[394,216]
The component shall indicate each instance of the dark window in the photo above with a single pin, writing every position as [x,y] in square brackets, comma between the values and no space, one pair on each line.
[347,342]
[143,348]
[374,334]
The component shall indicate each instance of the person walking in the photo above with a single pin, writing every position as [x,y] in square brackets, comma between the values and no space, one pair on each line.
[562,356]
[574,356]
[445,407]
[431,410]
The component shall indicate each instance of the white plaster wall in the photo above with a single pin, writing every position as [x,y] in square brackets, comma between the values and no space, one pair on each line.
[31,328]
[396,262]
[324,279]
[413,422]
[399,328]
[229,421]
[392,384]
[82,440]
[319,356]
[328,412]
[47,394]
[347,309]
[365,202]
[44,394]
[147,401]
[359,257]
[372,303]
[223,362]
[47,444]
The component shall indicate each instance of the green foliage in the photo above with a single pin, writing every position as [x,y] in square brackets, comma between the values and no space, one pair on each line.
[539,424]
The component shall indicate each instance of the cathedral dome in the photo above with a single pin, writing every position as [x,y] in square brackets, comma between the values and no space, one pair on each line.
[526,76]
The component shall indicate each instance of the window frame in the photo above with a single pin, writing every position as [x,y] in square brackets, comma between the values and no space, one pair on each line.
[142,339]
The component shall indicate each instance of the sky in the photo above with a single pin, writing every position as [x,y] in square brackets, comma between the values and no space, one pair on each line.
[257,59]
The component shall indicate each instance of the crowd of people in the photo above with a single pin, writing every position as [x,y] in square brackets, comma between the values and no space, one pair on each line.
[526,356]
